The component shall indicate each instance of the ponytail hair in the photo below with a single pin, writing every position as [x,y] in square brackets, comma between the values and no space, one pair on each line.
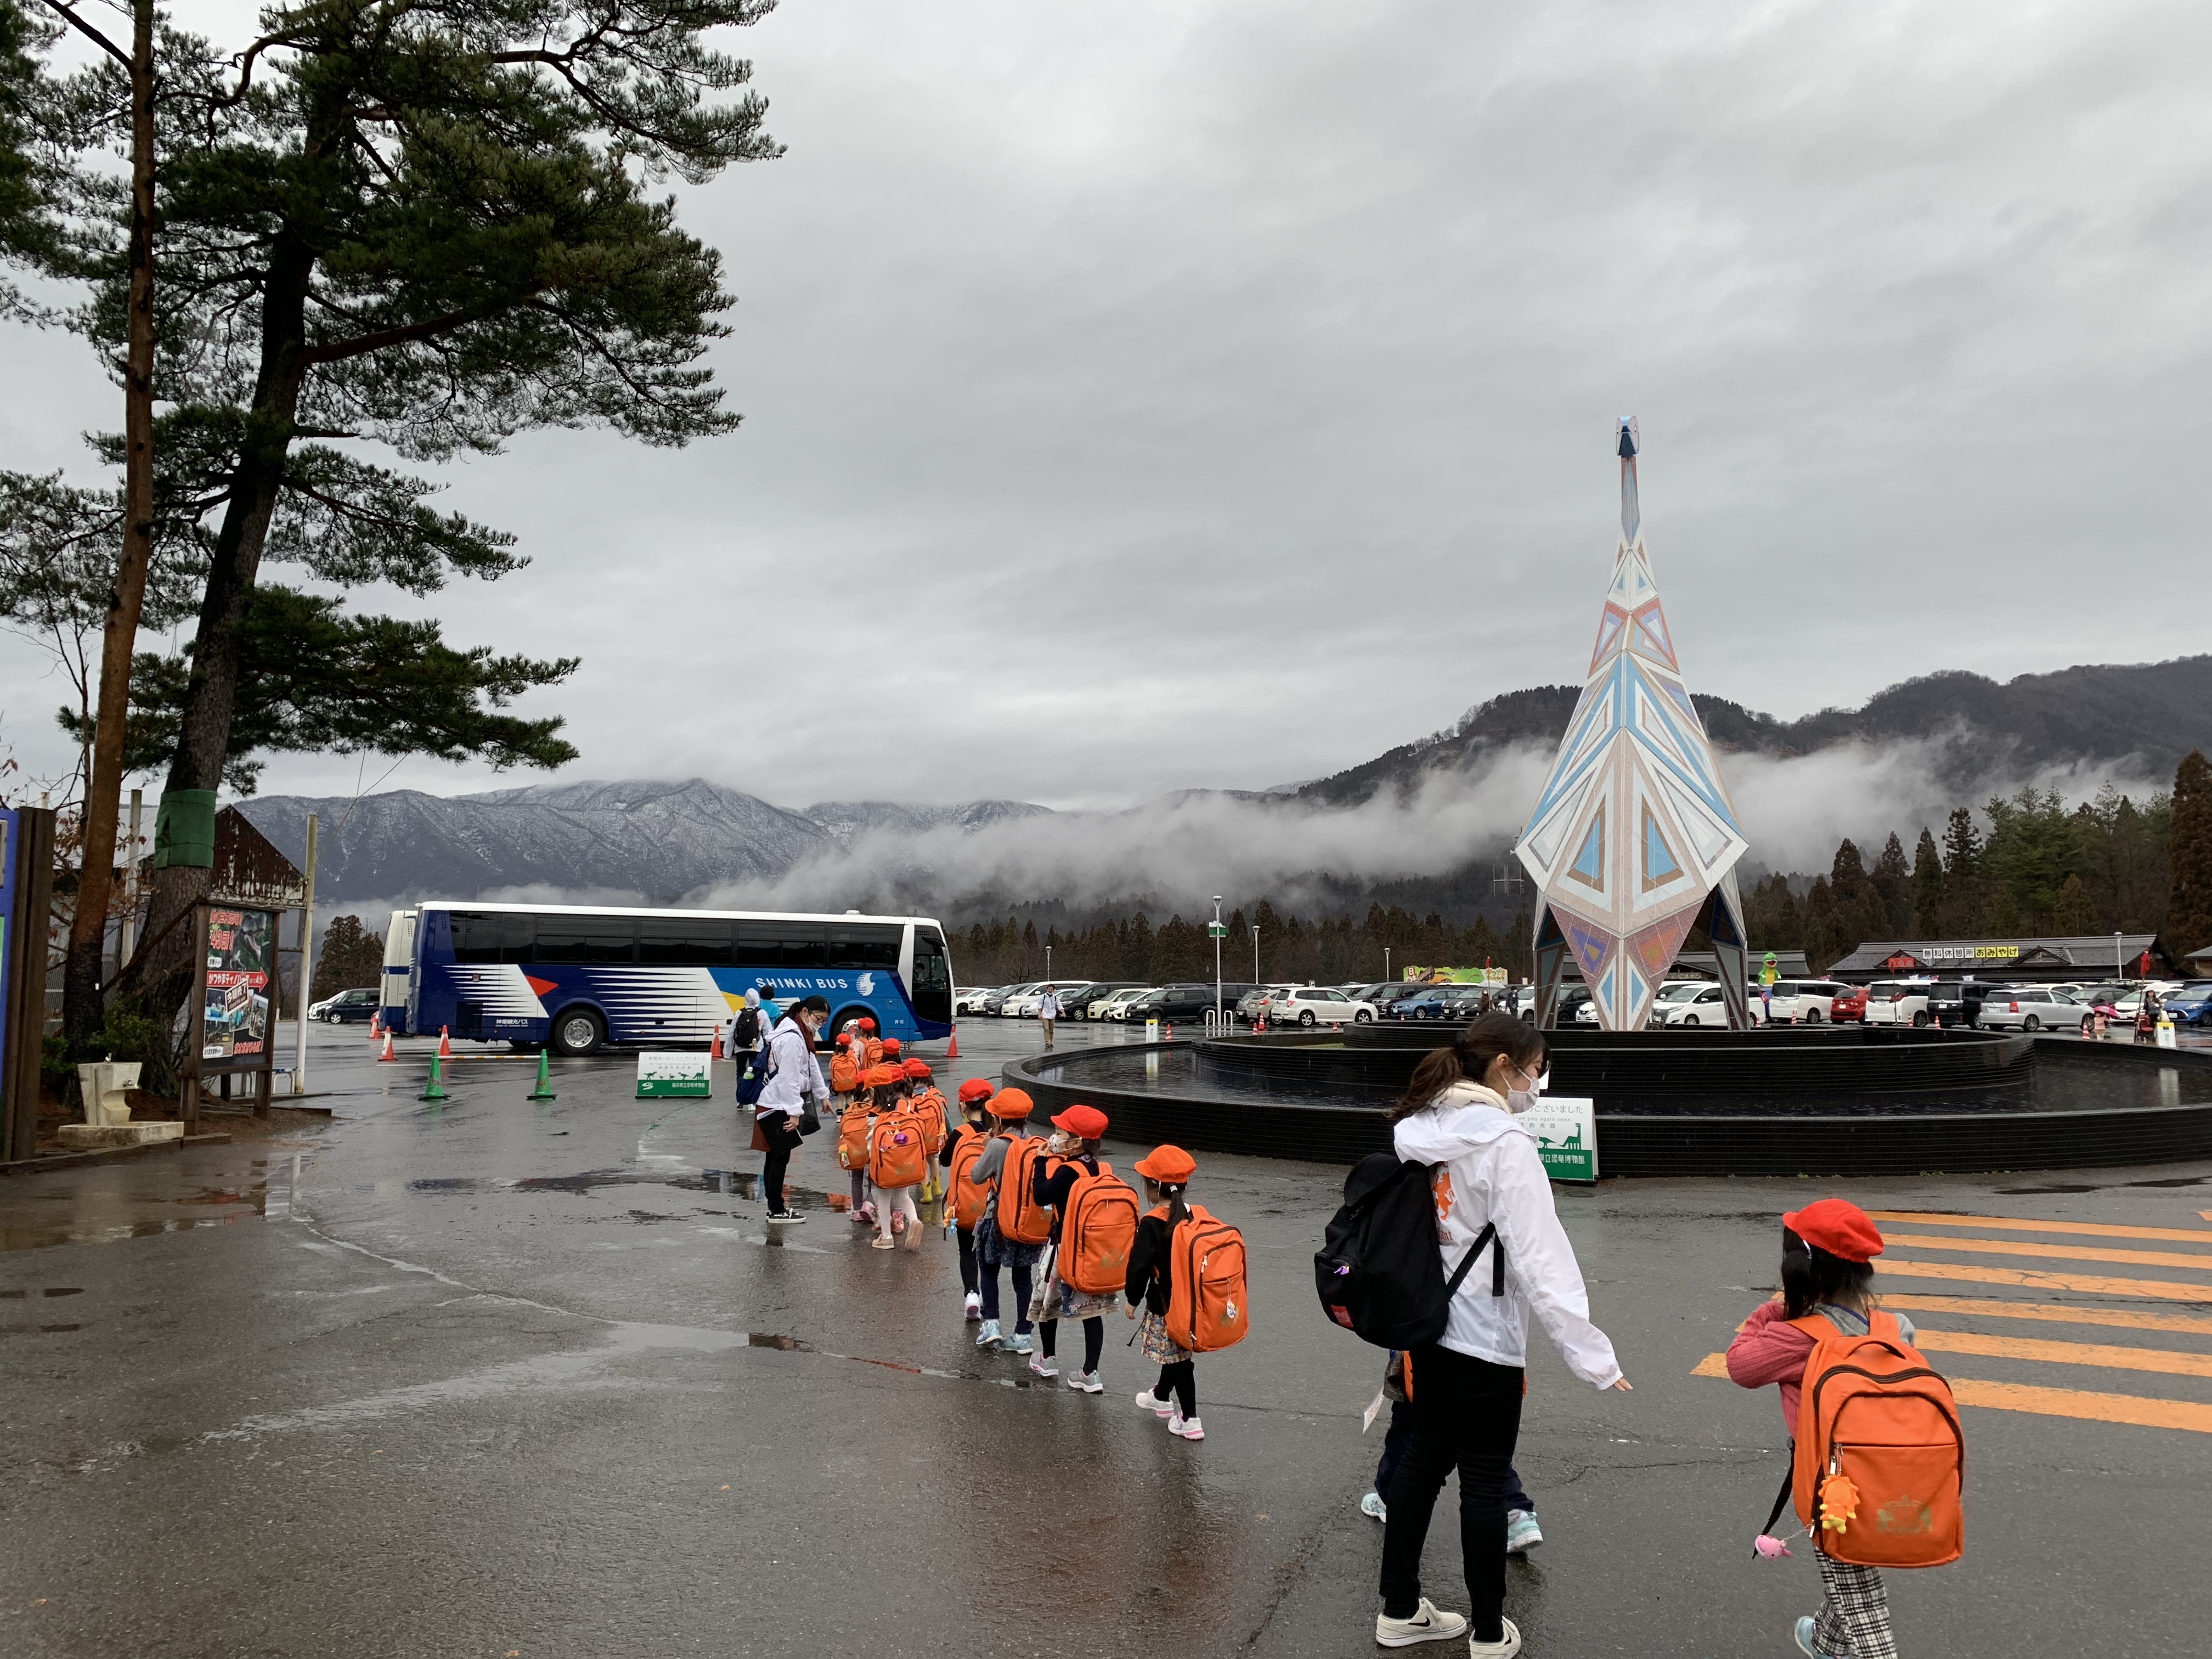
[1468,1060]
[1811,1275]
[1170,1195]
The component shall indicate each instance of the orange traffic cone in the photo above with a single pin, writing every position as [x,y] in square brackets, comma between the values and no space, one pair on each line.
[376,1025]
[445,1044]
[1169,1030]
[953,1051]
[715,1053]
[388,1053]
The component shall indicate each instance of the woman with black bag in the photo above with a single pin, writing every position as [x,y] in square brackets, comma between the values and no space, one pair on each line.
[1491,1191]
[786,1105]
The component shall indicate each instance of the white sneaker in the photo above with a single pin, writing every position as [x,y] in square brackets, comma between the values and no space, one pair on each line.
[973,1306]
[1156,1407]
[1085,1382]
[988,1336]
[785,1217]
[1521,1532]
[1373,1507]
[1429,1623]
[1505,1647]
[1188,1427]
[1042,1365]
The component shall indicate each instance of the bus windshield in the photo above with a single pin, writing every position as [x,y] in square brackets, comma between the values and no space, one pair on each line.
[578,977]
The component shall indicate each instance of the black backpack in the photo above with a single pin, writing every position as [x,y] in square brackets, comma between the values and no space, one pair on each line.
[1377,1271]
[748,1034]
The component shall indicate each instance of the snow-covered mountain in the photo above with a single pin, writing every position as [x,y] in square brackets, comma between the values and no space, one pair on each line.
[847,820]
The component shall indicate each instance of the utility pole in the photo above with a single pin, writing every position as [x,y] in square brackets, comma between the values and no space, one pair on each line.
[1218,930]
[1255,953]
[306,964]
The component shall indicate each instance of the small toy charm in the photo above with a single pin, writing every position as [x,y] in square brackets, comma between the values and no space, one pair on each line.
[1768,1548]
[1839,1504]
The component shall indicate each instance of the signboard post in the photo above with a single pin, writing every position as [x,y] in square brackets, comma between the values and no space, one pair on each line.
[674,1074]
[1566,1134]
[233,1002]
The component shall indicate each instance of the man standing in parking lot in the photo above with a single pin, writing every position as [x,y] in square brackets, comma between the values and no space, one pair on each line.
[1047,1012]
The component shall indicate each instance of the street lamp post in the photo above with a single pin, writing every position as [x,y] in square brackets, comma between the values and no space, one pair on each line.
[1255,953]
[1386,964]
[2119,962]
[1218,931]
[1047,961]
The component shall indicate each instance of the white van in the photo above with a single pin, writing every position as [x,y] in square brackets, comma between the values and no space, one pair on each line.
[1898,1001]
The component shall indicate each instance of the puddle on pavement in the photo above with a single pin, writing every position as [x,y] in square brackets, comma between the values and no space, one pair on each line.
[2100,1186]
[121,1202]
[729,1183]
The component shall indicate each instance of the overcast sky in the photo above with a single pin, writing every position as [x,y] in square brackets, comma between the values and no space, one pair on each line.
[1143,396]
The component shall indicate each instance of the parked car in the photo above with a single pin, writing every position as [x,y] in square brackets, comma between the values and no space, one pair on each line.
[1189,1001]
[1115,1004]
[1955,1002]
[2191,1005]
[1023,1004]
[994,1002]
[1670,992]
[347,1007]
[1807,1001]
[1456,1003]
[1076,1004]
[1898,1001]
[969,1000]
[1396,991]
[2033,1008]
[1316,1005]
[1248,1005]
[1707,1005]
[1849,1004]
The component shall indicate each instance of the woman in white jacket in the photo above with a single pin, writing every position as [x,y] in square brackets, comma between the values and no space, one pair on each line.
[1457,1114]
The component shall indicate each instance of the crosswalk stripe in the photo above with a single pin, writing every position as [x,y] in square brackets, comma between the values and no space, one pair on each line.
[2155,1290]
[2109,1355]
[2014,1224]
[2056,1252]
[2076,1402]
[2137,1319]
[2142,1411]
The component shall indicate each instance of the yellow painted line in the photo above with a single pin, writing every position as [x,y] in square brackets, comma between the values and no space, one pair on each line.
[2136,1319]
[2014,1225]
[2053,1402]
[2155,1290]
[2055,1252]
[2108,1355]
[2075,1402]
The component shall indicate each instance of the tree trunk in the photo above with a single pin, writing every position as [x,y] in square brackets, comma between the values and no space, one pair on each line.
[82,1010]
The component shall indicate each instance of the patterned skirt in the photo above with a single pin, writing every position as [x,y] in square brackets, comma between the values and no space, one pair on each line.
[1055,1298]
[993,1249]
[1157,1346]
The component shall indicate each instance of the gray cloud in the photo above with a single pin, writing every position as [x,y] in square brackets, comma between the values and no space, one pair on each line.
[1148,396]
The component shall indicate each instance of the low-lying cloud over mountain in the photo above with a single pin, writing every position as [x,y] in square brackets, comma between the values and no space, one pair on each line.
[1440,814]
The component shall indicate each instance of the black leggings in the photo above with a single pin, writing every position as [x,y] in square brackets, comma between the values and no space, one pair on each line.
[967,1237]
[1094,1339]
[782,1144]
[1181,1377]
[1467,1416]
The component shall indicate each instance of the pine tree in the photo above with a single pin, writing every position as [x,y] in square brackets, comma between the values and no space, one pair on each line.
[1963,884]
[2075,914]
[1892,879]
[351,957]
[1846,873]
[1928,897]
[2189,854]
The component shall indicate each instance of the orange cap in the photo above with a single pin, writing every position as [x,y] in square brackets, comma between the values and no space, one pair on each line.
[916,1068]
[1170,1166]
[1011,1104]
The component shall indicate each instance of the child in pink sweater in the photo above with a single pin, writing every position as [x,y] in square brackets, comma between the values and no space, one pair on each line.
[1828,1267]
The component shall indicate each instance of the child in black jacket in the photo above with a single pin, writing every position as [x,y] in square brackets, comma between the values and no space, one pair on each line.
[1166,1172]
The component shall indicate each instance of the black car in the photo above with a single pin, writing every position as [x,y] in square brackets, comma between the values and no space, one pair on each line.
[347,1007]
[1076,1004]
[1190,1002]
[1955,1002]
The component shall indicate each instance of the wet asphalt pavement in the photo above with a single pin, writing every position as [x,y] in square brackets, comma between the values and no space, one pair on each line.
[516,1379]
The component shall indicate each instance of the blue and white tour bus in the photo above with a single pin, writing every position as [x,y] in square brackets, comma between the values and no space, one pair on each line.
[582,976]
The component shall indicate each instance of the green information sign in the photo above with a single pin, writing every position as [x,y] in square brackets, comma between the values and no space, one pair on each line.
[674,1074]
[1566,1134]
[1217,930]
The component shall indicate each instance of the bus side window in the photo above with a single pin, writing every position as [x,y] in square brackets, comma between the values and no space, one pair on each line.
[865,945]
[782,946]
[587,940]
[674,942]
[493,936]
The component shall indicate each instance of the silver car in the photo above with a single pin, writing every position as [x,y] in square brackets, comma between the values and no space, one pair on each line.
[2031,1008]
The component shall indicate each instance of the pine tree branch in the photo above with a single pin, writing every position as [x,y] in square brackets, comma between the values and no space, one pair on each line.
[91,33]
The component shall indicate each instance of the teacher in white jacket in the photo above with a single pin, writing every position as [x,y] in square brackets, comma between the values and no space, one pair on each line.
[1457,1114]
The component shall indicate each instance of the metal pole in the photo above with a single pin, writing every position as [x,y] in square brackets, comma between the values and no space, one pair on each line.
[1386,962]
[306,965]
[1219,930]
[2119,962]
[1255,953]
[1047,961]
[130,936]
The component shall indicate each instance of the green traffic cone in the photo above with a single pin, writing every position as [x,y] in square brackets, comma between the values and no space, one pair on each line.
[431,1091]
[544,1089]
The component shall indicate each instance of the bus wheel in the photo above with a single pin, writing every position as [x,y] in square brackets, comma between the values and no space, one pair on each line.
[577,1031]
[846,1020]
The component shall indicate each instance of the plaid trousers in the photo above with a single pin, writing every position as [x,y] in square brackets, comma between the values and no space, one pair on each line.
[1854,1621]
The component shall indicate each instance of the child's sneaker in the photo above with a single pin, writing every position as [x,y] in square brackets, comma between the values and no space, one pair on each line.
[1374,1508]
[1085,1382]
[1019,1342]
[1521,1532]
[1159,1407]
[1188,1427]
[1806,1644]
[973,1306]
[883,1242]
[898,1221]
[988,1336]
[1429,1623]
[1042,1365]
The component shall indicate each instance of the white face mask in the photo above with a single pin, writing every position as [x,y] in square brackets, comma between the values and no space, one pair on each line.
[1520,1100]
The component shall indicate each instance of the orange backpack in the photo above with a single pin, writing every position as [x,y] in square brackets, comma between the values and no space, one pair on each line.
[894,1155]
[929,1106]
[1207,1306]
[1097,1230]
[969,1200]
[844,1074]
[1022,1220]
[875,1048]
[853,1132]
[1880,1458]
